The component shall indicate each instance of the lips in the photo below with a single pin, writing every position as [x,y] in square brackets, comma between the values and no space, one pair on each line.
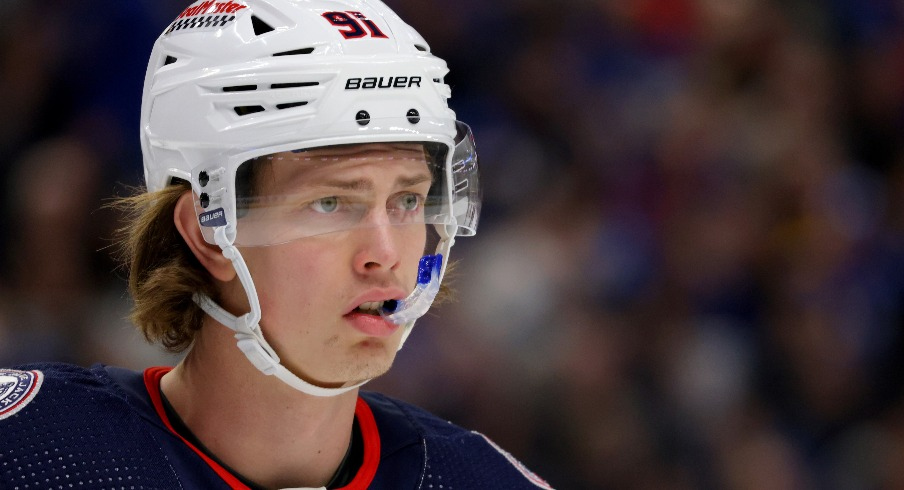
[371,325]
[364,314]
[373,299]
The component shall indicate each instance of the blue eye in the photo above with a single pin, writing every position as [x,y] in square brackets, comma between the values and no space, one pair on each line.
[326,205]
[409,202]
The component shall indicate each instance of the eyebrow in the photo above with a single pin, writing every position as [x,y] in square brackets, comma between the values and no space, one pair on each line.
[367,185]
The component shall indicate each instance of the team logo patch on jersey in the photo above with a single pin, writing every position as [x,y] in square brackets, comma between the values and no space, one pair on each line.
[17,389]
[205,15]
[531,476]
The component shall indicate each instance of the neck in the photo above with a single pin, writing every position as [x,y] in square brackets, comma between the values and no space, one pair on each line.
[269,432]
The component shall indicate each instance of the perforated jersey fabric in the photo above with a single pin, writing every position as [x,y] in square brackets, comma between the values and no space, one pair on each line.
[97,428]
[80,430]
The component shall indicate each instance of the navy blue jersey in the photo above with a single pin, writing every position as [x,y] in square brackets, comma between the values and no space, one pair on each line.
[63,426]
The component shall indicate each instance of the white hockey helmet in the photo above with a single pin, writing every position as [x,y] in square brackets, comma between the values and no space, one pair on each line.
[230,82]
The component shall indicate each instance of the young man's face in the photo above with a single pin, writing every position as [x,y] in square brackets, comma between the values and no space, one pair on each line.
[353,218]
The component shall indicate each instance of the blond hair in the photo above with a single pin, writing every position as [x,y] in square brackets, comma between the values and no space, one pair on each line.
[163,272]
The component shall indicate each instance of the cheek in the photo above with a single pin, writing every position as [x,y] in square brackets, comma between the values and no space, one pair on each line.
[415,247]
[289,279]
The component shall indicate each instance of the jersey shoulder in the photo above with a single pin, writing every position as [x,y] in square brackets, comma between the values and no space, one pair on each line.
[62,423]
[453,456]
[48,390]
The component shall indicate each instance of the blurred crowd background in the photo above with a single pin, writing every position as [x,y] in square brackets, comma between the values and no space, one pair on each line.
[690,266]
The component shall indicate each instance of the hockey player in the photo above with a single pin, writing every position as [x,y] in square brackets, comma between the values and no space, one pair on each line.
[306,180]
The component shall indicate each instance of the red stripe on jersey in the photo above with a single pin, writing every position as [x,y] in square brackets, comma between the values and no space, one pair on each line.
[152,383]
[371,437]
[363,413]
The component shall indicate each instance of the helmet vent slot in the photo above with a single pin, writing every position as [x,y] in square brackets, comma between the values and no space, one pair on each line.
[260,27]
[294,52]
[169,60]
[290,105]
[245,110]
[421,48]
[294,85]
[240,88]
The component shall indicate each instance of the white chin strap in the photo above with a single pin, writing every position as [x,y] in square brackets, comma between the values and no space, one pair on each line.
[251,340]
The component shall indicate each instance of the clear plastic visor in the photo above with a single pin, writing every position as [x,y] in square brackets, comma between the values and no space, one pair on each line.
[289,195]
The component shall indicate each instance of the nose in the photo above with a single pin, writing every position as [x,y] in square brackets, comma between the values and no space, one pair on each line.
[378,249]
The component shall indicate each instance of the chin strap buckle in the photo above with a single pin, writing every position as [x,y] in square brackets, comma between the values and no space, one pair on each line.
[256,354]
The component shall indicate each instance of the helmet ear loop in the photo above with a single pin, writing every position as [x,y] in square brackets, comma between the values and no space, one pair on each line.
[247,323]
[246,327]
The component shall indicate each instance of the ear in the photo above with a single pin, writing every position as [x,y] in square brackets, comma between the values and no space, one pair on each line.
[210,256]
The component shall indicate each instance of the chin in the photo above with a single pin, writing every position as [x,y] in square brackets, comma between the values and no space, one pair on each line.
[367,367]
[363,363]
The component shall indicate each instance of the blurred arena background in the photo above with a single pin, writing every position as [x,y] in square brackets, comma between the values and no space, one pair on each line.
[690,267]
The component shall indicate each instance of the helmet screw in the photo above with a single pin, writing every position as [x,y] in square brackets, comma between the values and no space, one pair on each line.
[205,200]
[203,178]
[413,116]
[363,118]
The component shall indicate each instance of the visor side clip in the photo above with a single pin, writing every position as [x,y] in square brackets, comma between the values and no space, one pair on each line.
[208,198]
[206,176]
